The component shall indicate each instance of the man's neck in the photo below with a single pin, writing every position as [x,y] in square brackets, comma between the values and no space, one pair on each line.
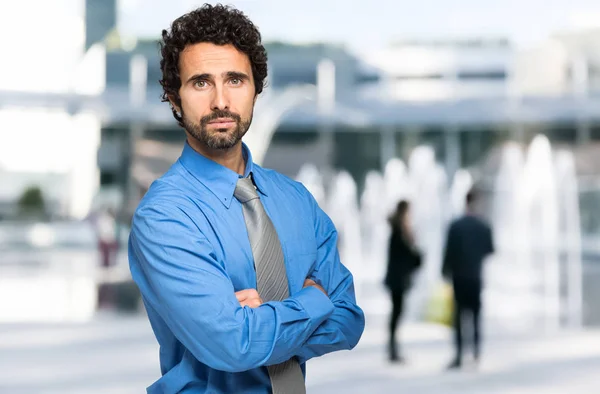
[232,158]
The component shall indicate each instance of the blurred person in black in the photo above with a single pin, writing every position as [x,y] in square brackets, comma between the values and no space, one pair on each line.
[403,260]
[107,231]
[468,243]
[105,222]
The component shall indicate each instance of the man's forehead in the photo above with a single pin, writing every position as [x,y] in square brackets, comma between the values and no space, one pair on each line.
[208,55]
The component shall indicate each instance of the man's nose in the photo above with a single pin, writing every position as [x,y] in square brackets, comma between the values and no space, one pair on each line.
[220,99]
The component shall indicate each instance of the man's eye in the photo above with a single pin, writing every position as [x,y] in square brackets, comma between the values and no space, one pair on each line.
[236,81]
[200,84]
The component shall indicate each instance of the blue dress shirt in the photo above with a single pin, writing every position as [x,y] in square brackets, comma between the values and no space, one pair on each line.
[189,253]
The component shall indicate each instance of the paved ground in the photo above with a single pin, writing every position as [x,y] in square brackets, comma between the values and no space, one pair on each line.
[118,355]
[565,363]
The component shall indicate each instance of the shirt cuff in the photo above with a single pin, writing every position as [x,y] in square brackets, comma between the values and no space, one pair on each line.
[318,305]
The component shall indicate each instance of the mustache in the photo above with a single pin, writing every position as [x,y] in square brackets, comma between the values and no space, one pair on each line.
[220,113]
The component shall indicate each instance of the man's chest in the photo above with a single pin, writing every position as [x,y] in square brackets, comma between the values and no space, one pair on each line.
[295,231]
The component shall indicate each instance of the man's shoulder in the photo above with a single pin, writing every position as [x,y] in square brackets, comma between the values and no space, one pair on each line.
[481,221]
[471,221]
[462,222]
[456,222]
[168,191]
[281,182]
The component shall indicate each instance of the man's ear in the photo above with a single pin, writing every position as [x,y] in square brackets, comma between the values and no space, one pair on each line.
[174,104]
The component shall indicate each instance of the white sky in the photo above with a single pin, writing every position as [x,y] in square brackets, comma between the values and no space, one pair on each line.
[362,25]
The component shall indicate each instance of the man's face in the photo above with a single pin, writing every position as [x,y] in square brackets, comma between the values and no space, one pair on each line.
[217,94]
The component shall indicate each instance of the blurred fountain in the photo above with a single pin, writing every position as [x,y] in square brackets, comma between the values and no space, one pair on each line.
[511,276]
[312,179]
[364,232]
[570,234]
[423,184]
[461,184]
[533,220]
[540,195]
[342,206]
[397,185]
[430,214]
[375,230]
[380,196]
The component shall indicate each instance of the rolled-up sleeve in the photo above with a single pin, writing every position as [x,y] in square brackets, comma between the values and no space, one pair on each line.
[179,276]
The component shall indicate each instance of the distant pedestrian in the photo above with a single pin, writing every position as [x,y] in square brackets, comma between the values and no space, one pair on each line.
[403,260]
[468,243]
[106,229]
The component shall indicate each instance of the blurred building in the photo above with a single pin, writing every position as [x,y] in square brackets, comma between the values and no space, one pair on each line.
[100,20]
[460,96]
[49,130]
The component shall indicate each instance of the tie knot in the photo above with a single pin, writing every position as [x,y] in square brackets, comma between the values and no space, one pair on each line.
[245,190]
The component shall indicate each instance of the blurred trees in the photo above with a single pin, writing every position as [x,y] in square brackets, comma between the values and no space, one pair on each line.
[31,203]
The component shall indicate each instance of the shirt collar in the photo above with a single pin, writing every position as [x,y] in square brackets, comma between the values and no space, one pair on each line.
[220,180]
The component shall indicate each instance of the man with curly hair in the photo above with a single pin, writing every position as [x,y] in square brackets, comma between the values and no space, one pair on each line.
[237,265]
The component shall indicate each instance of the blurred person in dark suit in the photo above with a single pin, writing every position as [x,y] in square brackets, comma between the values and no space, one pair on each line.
[403,260]
[468,243]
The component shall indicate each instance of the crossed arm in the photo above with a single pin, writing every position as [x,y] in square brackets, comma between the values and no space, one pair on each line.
[195,298]
[251,298]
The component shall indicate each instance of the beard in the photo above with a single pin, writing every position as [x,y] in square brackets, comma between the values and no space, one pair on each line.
[218,139]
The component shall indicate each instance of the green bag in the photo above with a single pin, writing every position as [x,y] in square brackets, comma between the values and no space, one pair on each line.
[440,307]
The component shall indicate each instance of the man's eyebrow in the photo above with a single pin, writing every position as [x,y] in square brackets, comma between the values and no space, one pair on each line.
[236,74]
[199,77]
[227,74]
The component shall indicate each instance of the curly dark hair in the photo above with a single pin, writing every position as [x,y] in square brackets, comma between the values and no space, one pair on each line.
[219,25]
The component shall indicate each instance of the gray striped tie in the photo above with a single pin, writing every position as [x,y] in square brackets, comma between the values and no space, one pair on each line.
[271,276]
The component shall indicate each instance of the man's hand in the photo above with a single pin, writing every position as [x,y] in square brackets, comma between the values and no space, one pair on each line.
[249,297]
[310,282]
